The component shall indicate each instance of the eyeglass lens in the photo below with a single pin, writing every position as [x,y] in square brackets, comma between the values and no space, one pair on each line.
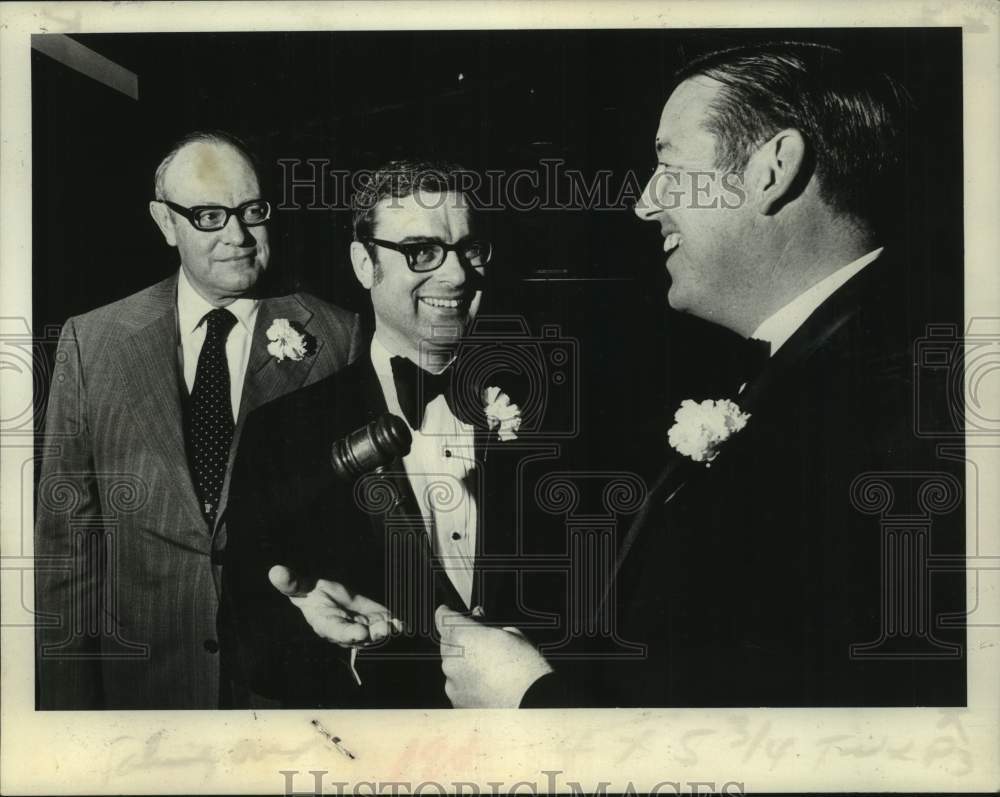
[425,257]
[215,218]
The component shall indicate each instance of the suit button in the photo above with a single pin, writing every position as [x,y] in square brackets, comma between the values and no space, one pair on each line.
[211,646]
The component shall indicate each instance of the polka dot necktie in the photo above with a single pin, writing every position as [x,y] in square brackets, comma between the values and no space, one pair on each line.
[210,419]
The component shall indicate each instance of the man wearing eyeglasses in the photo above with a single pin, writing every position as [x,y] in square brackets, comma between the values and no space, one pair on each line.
[142,421]
[332,595]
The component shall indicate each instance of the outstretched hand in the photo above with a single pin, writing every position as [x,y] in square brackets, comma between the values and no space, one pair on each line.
[333,612]
[485,667]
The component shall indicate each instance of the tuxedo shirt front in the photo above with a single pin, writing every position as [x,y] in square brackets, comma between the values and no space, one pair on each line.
[441,470]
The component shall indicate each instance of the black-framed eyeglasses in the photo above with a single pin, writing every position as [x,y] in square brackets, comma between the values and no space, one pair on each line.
[209,218]
[424,256]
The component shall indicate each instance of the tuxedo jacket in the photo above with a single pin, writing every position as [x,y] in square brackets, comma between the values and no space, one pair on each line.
[798,569]
[287,507]
[127,588]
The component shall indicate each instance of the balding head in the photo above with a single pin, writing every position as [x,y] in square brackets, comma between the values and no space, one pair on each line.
[200,150]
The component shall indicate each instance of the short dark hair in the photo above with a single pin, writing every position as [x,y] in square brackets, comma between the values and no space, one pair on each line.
[853,117]
[202,137]
[398,179]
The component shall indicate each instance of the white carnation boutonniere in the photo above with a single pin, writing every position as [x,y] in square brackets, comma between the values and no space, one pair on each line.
[700,429]
[501,414]
[289,340]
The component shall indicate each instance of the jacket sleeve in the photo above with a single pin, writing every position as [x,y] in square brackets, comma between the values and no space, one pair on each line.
[555,690]
[69,545]
[267,643]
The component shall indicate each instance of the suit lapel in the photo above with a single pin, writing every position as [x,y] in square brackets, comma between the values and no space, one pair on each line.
[369,389]
[491,515]
[365,392]
[822,327]
[266,378]
[498,506]
[360,401]
[149,370]
[817,331]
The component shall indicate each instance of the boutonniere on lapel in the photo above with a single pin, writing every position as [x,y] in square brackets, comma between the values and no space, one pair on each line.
[700,429]
[501,416]
[289,340]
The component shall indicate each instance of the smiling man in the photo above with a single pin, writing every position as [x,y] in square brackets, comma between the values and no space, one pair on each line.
[301,539]
[145,407]
[758,572]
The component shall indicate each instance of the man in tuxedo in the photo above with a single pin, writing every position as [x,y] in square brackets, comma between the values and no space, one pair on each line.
[147,401]
[332,585]
[788,564]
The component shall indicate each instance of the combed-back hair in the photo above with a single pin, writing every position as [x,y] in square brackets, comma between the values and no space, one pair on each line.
[853,117]
[398,179]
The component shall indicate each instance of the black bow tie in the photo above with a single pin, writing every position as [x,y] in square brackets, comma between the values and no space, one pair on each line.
[416,388]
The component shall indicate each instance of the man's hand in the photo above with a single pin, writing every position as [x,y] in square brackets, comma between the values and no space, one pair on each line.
[485,667]
[334,613]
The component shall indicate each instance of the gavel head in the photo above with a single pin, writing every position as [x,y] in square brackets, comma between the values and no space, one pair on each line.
[371,447]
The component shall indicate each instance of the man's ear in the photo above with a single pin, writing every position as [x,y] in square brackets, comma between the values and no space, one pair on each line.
[776,171]
[161,215]
[364,268]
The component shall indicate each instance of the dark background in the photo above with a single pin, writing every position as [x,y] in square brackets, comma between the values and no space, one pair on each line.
[591,98]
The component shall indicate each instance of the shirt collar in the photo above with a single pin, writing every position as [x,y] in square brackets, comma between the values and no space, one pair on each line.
[192,307]
[778,328]
[381,356]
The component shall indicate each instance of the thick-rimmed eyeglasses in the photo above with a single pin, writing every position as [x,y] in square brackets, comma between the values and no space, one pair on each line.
[424,256]
[209,218]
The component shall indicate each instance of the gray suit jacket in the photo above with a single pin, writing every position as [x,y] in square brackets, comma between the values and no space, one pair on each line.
[127,584]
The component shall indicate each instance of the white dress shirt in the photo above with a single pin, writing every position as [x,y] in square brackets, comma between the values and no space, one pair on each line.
[191,309]
[441,468]
[777,329]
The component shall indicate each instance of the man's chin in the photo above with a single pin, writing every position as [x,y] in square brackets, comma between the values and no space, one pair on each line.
[675,297]
[245,275]
[436,352]
[442,340]
[446,332]
[695,305]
